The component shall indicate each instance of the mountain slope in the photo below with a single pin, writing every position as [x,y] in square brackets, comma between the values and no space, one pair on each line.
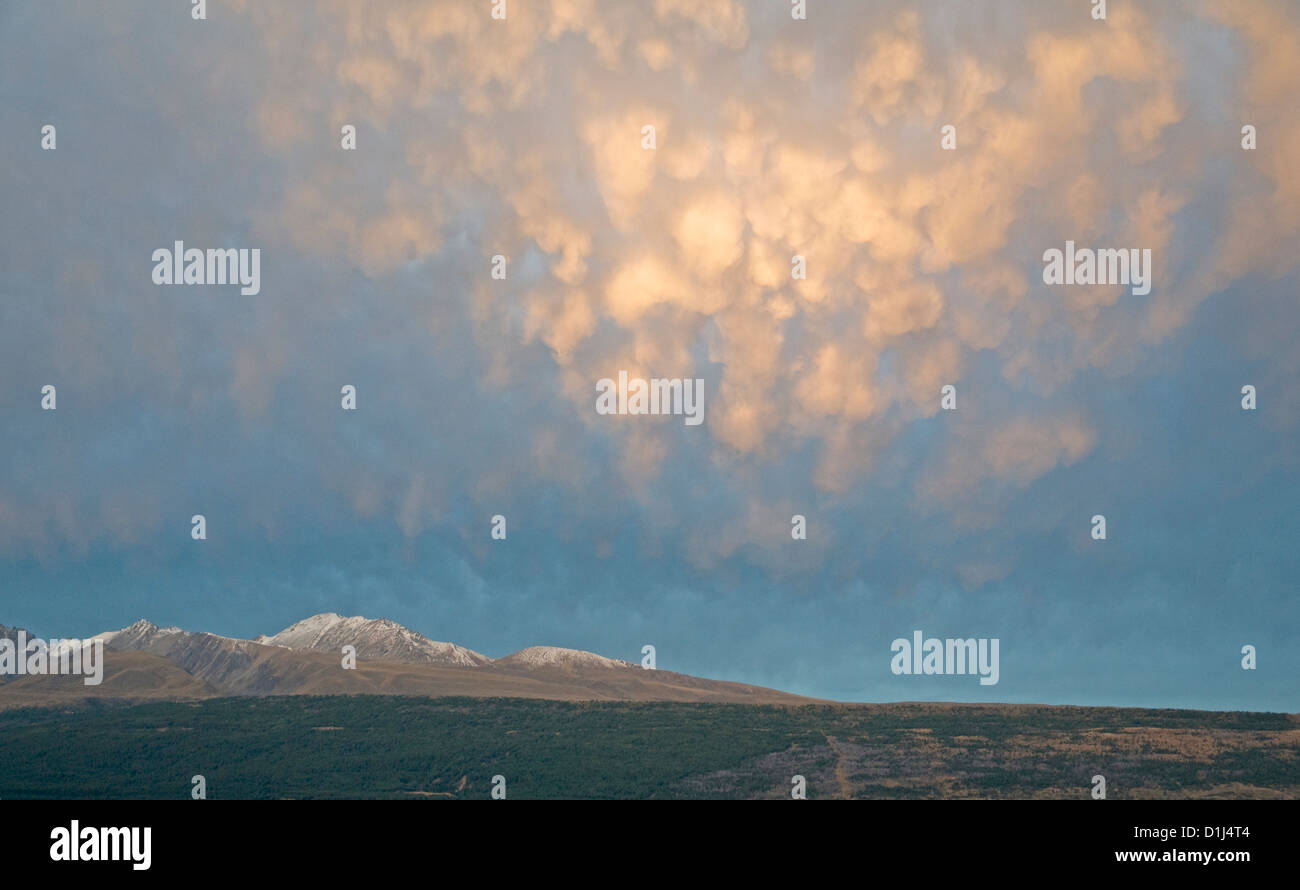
[144,660]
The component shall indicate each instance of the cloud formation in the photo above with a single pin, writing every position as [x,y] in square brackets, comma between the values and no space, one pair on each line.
[774,138]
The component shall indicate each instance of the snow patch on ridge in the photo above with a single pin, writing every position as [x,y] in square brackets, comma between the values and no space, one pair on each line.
[555,656]
[377,638]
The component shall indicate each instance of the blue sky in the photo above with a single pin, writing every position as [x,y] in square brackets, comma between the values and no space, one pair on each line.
[476,396]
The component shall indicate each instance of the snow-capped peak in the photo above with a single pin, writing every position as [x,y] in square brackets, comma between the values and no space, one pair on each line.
[555,656]
[377,638]
[304,634]
[137,635]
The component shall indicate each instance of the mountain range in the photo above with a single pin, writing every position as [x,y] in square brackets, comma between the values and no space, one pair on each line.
[145,661]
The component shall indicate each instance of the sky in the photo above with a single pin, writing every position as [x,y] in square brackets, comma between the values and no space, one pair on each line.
[773,137]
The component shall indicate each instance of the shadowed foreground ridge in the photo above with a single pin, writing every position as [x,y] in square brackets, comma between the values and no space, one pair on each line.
[407,747]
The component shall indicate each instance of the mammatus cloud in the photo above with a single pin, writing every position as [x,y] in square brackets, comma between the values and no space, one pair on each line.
[773,139]
[1064,125]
